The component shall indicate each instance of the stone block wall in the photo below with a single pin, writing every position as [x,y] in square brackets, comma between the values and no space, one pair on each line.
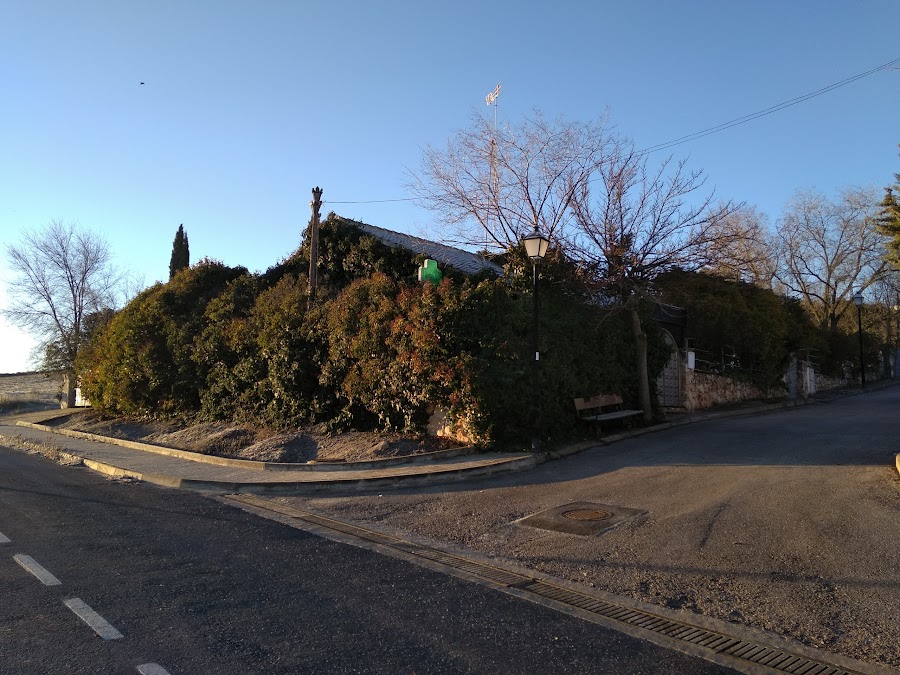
[704,390]
[823,382]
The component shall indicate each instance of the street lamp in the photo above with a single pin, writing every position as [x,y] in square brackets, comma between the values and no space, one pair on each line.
[858,301]
[536,246]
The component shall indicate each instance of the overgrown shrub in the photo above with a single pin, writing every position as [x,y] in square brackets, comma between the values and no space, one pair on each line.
[376,351]
[755,328]
[143,361]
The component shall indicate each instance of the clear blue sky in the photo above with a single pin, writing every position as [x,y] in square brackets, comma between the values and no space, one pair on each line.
[249,104]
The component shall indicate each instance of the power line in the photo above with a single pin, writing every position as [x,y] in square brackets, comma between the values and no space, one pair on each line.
[892,64]
[768,111]
[372,201]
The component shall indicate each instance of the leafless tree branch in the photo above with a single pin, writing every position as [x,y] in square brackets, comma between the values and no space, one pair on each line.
[63,273]
[827,249]
[494,185]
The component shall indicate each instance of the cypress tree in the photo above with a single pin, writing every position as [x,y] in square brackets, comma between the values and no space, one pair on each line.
[889,224]
[181,255]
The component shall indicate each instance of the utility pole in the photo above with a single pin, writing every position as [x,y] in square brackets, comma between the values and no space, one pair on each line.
[491,100]
[316,204]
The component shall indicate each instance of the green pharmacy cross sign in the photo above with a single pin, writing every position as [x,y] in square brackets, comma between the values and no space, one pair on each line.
[429,272]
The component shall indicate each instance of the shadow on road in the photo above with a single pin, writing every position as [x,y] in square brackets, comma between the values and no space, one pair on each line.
[858,431]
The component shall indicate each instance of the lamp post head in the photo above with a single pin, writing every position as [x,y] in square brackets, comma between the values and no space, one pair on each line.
[858,299]
[536,245]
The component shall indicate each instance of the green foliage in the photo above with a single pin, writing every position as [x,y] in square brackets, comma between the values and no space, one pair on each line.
[889,224]
[585,351]
[181,256]
[841,350]
[382,363]
[289,353]
[346,254]
[143,361]
[378,351]
[757,327]
[486,325]
[758,330]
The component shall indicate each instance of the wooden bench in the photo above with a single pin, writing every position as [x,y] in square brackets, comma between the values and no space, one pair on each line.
[603,408]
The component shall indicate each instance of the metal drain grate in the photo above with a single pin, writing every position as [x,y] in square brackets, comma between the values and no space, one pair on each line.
[719,643]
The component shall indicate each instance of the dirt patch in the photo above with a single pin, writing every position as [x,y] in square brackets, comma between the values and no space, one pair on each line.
[246,442]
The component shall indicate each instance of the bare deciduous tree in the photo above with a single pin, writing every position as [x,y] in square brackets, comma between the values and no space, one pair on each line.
[740,248]
[591,192]
[634,222]
[63,274]
[494,185]
[828,249]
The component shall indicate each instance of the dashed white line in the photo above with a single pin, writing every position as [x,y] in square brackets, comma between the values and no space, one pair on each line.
[100,625]
[32,566]
[152,669]
[3,538]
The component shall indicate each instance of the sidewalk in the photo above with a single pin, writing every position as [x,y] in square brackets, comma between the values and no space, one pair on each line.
[182,469]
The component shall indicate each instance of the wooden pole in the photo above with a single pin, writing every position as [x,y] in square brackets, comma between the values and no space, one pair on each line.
[316,204]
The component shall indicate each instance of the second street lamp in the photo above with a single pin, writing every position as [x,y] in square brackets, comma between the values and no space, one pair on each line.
[858,301]
[536,246]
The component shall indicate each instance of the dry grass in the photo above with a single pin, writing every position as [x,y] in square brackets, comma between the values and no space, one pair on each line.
[24,392]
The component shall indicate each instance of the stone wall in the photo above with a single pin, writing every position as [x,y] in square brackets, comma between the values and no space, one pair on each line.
[823,382]
[704,390]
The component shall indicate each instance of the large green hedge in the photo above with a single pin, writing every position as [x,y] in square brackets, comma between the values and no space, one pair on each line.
[143,361]
[376,351]
[756,329]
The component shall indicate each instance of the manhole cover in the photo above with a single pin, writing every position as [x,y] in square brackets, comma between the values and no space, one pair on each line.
[584,518]
[587,514]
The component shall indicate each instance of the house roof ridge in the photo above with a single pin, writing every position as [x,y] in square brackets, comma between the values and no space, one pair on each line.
[464,261]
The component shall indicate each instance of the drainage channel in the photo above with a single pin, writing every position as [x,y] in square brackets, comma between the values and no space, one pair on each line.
[749,652]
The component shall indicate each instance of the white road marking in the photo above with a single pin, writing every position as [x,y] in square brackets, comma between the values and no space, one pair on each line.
[3,538]
[100,625]
[152,669]
[32,566]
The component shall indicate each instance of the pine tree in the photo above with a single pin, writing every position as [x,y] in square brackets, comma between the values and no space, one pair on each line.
[181,254]
[889,223]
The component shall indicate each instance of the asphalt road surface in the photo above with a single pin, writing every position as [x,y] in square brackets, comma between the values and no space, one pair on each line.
[787,522]
[183,584]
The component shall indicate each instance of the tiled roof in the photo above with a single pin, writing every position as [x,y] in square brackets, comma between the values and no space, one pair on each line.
[468,263]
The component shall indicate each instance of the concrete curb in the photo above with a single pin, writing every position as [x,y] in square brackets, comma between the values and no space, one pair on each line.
[249,464]
[344,485]
[303,487]
[435,475]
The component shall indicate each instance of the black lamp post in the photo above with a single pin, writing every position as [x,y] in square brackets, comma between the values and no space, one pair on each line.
[858,301]
[536,248]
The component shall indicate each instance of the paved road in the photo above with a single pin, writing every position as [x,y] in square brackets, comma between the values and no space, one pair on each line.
[194,586]
[787,522]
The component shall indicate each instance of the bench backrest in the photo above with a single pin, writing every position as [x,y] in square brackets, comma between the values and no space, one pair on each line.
[599,401]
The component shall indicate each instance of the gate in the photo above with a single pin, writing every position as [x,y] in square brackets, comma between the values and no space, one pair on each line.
[668,385]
